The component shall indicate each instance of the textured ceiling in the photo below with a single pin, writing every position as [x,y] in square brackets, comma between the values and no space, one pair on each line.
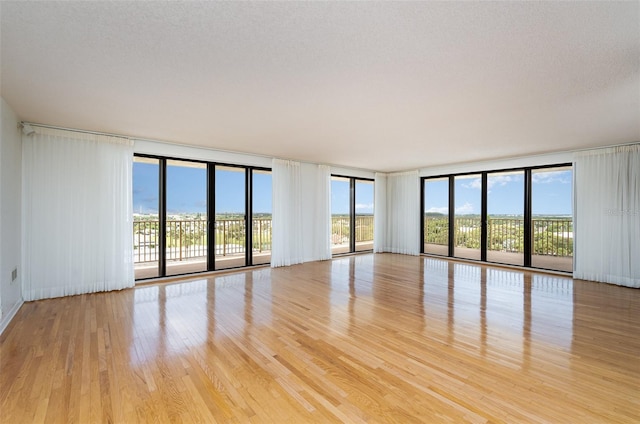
[379,86]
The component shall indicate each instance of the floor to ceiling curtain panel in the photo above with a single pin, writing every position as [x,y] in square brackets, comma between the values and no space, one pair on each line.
[607,215]
[322,215]
[286,242]
[403,213]
[380,213]
[77,213]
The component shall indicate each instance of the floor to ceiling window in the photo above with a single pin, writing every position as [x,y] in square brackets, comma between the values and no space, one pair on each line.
[261,207]
[340,215]
[230,217]
[436,216]
[351,214]
[186,217]
[552,218]
[468,223]
[174,201]
[146,218]
[516,217]
[364,215]
[505,217]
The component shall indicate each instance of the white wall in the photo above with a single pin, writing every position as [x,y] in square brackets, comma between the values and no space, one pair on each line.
[350,172]
[157,148]
[10,214]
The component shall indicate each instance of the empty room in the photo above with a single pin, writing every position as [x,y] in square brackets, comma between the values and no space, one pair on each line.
[293,212]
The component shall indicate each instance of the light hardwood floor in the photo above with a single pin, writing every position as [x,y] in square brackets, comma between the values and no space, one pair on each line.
[368,338]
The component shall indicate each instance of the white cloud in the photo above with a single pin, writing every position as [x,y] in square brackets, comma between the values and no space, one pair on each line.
[467,208]
[364,207]
[475,183]
[562,177]
[499,180]
[443,210]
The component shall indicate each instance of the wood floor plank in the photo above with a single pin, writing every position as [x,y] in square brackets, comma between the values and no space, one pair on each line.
[370,338]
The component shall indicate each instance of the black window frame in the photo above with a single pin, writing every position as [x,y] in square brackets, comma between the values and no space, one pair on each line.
[211,178]
[352,213]
[527,216]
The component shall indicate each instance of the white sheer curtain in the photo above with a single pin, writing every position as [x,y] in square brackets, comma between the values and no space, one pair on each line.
[77,205]
[607,215]
[322,214]
[286,242]
[380,213]
[403,213]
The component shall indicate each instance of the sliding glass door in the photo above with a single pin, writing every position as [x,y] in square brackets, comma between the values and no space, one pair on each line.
[340,215]
[186,212]
[193,216]
[146,218]
[261,208]
[364,215]
[467,222]
[505,217]
[516,217]
[552,218]
[351,214]
[231,217]
[436,216]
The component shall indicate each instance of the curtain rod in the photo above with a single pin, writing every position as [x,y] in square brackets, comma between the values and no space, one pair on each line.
[54,127]
[537,155]
[586,149]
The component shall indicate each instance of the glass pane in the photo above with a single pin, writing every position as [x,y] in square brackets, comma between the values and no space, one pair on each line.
[340,213]
[468,198]
[505,217]
[230,223]
[186,232]
[261,199]
[436,216]
[552,219]
[364,215]
[145,217]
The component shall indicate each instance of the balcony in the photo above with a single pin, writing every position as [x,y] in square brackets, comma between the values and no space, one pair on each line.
[340,233]
[552,240]
[186,245]
[186,240]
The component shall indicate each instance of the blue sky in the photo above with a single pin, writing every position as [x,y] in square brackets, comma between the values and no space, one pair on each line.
[145,190]
[551,191]
[186,192]
[340,197]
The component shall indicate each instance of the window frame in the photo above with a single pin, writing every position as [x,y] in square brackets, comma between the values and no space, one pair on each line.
[352,213]
[211,178]
[527,215]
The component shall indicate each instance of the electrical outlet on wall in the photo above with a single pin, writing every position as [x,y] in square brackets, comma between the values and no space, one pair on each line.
[14,274]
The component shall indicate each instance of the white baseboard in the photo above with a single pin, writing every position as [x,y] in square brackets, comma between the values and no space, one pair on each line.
[4,323]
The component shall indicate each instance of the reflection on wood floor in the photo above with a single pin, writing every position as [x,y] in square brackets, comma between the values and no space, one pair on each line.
[369,338]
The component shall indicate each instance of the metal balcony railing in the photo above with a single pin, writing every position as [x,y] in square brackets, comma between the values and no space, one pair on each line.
[551,237]
[340,229]
[187,239]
